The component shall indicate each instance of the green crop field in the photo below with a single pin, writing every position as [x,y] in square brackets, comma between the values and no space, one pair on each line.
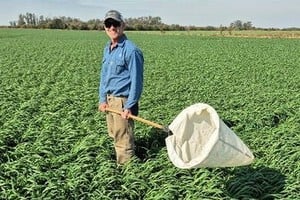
[54,144]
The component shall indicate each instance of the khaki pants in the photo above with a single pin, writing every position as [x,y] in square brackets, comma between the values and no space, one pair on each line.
[121,130]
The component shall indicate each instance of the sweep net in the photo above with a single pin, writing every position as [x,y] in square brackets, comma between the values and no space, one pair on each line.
[201,139]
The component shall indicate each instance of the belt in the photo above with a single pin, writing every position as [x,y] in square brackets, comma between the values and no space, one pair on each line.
[113,96]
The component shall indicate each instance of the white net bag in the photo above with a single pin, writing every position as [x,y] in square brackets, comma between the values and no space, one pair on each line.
[201,139]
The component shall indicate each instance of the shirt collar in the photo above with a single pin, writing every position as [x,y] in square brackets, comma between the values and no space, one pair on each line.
[122,39]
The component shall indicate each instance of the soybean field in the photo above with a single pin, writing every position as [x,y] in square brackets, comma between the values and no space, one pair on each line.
[54,143]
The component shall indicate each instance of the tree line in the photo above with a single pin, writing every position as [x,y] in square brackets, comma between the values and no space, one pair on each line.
[31,20]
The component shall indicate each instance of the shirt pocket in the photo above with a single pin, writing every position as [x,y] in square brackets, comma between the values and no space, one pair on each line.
[120,67]
[103,66]
[103,61]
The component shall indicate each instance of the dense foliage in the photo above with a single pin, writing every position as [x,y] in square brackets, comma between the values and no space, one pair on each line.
[54,144]
[144,23]
[31,20]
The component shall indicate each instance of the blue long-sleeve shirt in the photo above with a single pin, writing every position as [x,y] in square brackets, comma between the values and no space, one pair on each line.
[122,72]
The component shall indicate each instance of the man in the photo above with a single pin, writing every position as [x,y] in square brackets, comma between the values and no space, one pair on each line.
[121,84]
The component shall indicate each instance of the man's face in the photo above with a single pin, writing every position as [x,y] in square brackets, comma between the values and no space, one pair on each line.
[114,29]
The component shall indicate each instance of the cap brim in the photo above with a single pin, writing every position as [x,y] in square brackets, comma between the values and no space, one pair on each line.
[113,19]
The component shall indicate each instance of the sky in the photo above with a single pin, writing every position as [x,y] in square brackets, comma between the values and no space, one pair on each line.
[262,13]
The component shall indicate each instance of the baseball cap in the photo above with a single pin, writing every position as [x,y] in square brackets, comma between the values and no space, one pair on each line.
[113,14]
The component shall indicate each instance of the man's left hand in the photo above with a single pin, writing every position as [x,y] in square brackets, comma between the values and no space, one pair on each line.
[125,114]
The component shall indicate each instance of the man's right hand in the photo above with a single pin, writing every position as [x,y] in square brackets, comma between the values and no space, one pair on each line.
[102,107]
